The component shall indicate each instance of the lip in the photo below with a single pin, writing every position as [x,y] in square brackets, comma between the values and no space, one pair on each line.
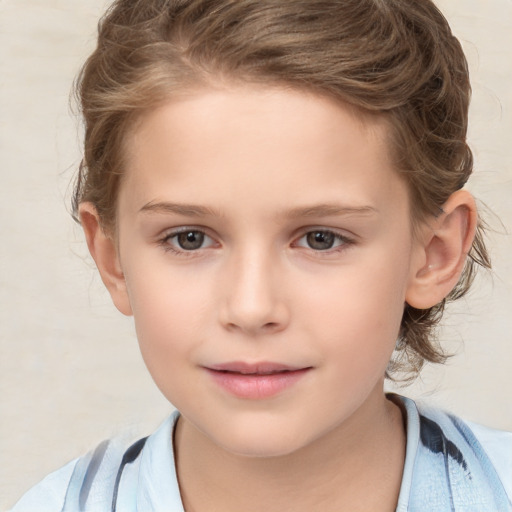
[255,381]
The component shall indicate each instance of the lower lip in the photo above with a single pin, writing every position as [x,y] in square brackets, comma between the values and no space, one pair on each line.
[256,387]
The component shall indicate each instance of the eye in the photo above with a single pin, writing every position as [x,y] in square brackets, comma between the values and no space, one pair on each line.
[190,240]
[187,240]
[322,240]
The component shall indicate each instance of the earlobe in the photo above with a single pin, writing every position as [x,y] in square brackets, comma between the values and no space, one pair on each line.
[104,252]
[445,244]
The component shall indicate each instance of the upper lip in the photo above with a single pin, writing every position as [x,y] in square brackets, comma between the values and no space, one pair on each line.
[260,368]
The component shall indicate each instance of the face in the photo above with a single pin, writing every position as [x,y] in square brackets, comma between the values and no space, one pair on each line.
[266,245]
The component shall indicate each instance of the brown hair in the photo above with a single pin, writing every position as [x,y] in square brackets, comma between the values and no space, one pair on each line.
[394,58]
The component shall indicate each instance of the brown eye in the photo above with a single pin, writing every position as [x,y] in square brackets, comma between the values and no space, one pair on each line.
[320,240]
[187,242]
[190,240]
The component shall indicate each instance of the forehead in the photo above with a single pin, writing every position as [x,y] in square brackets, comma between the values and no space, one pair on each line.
[250,141]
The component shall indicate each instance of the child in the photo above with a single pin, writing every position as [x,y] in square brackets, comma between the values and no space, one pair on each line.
[274,190]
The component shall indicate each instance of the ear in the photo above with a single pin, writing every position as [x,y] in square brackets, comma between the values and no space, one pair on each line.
[103,249]
[443,247]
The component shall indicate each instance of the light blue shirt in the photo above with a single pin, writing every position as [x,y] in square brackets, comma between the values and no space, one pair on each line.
[450,466]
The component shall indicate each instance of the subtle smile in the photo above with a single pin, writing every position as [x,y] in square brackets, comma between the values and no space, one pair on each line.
[255,381]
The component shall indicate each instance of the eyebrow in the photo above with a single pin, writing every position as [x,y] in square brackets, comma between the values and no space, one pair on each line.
[319,210]
[187,210]
[328,210]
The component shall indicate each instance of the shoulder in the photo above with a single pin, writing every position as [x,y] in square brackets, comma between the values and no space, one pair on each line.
[490,446]
[48,495]
[92,482]
[455,463]
[73,482]
[497,444]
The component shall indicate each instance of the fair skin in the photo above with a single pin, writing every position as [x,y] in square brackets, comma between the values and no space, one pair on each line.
[297,256]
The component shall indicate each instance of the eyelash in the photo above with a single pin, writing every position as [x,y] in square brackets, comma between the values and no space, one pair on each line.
[343,241]
[166,245]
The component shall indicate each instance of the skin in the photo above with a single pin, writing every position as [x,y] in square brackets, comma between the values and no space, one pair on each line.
[257,170]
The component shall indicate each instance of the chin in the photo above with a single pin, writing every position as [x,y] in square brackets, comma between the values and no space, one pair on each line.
[261,442]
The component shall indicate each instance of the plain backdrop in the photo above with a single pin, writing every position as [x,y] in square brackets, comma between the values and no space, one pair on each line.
[71,374]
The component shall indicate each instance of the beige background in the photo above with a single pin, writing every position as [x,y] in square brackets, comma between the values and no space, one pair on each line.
[70,370]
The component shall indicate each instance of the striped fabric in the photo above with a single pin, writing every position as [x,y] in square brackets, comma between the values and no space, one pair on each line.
[450,466]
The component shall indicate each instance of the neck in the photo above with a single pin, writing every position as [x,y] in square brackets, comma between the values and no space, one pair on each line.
[356,466]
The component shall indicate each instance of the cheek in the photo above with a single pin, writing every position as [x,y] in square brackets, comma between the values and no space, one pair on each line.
[358,312]
[166,323]
[169,311]
[365,297]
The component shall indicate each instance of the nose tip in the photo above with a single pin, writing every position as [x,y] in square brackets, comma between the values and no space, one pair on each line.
[254,301]
[254,326]
[255,314]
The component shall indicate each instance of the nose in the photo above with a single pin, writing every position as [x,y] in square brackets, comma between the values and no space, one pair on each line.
[252,295]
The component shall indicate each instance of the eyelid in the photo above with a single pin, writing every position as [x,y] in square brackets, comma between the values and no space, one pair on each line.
[168,234]
[342,233]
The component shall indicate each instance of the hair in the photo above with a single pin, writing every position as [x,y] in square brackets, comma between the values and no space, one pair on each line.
[393,58]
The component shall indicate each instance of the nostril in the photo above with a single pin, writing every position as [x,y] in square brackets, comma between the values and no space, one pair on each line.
[253,314]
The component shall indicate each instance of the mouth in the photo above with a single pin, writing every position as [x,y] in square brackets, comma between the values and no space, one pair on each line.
[263,368]
[256,380]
